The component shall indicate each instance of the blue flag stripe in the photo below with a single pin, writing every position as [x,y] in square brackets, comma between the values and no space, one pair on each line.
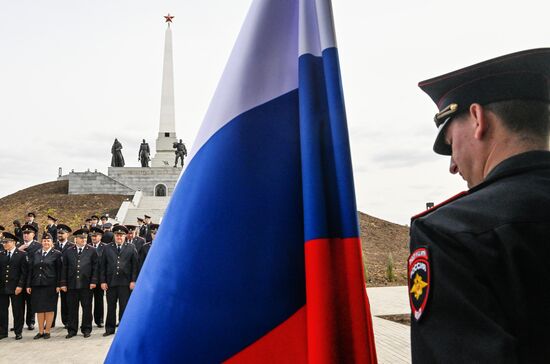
[329,199]
[228,263]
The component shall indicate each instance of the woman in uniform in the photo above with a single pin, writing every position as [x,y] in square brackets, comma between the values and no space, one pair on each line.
[43,284]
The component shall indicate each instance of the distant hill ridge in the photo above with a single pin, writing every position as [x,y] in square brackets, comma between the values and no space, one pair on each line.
[379,237]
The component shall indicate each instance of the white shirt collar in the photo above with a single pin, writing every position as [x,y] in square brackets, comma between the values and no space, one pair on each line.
[46,251]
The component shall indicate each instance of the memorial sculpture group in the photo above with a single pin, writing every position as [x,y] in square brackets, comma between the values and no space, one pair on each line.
[144,154]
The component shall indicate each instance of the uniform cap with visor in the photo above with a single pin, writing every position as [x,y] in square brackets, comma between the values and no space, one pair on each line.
[518,76]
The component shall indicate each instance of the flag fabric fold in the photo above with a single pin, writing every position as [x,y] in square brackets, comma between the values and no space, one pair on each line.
[258,257]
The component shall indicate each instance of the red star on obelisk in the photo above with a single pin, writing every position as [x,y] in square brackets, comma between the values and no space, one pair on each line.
[168,18]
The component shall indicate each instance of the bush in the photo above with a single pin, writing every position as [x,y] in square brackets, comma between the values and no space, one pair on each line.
[390,274]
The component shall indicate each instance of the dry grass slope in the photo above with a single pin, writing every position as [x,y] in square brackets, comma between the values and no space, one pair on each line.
[379,237]
[51,198]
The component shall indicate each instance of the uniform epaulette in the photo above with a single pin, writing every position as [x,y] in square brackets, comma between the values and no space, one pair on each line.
[447,201]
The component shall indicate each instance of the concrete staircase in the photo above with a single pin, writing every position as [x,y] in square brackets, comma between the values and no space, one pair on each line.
[141,205]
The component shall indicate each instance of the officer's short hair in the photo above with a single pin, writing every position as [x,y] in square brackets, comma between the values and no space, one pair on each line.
[528,118]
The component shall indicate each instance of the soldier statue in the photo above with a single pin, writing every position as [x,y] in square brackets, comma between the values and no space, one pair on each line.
[180,151]
[116,150]
[144,153]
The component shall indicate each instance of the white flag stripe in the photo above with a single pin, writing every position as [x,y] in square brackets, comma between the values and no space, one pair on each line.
[257,81]
[316,27]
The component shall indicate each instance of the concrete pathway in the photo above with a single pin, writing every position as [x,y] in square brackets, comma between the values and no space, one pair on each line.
[393,342]
[392,339]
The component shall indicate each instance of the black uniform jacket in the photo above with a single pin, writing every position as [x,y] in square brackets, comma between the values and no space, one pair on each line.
[44,271]
[143,229]
[487,294]
[138,242]
[143,254]
[37,234]
[99,250]
[13,272]
[119,270]
[79,271]
[32,248]
[66,246]
[52,229]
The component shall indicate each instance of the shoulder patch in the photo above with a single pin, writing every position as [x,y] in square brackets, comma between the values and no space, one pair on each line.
[419,278]
[441,204]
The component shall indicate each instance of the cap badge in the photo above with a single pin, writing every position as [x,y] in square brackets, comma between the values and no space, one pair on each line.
[443,114]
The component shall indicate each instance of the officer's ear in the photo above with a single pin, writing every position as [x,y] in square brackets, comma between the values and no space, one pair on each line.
[480,121]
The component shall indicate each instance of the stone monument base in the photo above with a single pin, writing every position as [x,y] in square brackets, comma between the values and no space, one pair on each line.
[151,181]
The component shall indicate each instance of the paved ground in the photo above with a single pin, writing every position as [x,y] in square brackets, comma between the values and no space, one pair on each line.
[392,339]
[393,342]
[57,349]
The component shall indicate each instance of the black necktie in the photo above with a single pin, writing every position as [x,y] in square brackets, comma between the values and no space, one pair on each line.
[44,254]
[9,255]
[79,251]
[118,248]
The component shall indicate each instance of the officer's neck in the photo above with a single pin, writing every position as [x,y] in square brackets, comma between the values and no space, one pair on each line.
[507,145]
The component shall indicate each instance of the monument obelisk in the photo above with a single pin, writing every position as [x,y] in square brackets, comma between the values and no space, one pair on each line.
[164,156]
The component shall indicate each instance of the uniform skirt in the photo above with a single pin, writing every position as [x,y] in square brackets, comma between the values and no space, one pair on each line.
[43,299]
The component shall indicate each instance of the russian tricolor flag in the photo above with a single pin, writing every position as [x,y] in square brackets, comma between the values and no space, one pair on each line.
[258,258]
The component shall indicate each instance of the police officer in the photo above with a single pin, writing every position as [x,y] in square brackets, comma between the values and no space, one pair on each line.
[96,234]
[30,246]
[13,271]
[51,228]
[108,236]
[29,220]
[103,220]
[95,221]
[145,249]
[62,245]
[147,222]
[132,237]
[43,284]
[118,274]
[479,277]
[142,228]
[79,277]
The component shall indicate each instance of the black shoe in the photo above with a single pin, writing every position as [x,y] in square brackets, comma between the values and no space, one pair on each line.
[86,334]
[30,327]
[46,336]
[108,333]
[53,325]
[38,336]
[70,335]
[18,337]
[3,336]
[99,325]
[12,329]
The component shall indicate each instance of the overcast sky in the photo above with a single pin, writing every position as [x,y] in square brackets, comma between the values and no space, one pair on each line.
[76,74]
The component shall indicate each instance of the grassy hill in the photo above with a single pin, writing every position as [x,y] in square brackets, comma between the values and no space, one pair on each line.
[379,238]
[52,198]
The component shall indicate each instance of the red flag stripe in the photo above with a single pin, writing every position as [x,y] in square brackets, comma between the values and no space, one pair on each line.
[338,311]
[287,343]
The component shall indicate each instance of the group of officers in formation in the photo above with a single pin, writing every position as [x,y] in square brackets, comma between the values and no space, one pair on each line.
[103,259]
